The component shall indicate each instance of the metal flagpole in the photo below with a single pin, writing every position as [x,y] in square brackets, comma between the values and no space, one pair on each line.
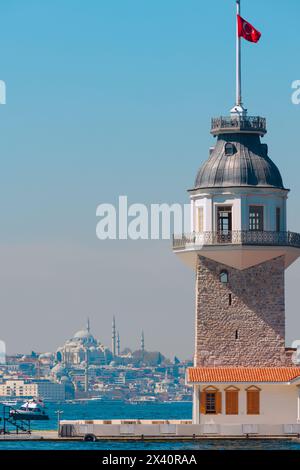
[238,60]
[238,109]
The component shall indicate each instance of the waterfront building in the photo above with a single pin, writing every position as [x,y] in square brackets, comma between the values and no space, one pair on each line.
[44,389]
[245,380]
[52,391]
[120,379]
[18,388]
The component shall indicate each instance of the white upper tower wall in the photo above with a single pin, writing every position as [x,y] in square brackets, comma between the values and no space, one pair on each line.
[205,205]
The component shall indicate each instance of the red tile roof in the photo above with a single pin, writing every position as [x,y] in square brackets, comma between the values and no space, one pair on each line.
[241,374]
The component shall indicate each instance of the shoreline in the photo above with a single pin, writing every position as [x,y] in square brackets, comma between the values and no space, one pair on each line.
[52,436]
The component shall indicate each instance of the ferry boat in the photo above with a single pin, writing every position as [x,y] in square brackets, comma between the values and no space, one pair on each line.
[141,400]
[30,410]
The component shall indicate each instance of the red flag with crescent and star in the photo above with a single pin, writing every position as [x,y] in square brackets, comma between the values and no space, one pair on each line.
[247,31]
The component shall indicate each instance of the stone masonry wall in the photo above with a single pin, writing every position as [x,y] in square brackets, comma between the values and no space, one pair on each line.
[250,331]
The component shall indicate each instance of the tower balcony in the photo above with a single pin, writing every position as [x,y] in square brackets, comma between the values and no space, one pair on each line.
[241,124]
[239,249]
[237,237]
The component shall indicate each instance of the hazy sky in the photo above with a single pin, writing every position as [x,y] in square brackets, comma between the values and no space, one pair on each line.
[113,97]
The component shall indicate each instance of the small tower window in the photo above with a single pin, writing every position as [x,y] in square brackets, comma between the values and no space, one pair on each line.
[229,149]
[200,221]
[256,218]
[224,277]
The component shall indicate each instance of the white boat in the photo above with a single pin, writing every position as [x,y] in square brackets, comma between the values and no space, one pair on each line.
[31,410]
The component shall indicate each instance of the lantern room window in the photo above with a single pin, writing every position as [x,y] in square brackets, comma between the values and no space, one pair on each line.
[229,149]
[256,218]
[224,223]
[224,277]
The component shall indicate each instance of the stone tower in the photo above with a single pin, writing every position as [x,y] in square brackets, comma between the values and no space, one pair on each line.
[239,247]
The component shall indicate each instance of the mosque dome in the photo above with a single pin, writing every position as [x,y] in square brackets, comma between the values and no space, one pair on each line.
[65,379]
[58,370]
[82,335]
[239,160]
[46,355]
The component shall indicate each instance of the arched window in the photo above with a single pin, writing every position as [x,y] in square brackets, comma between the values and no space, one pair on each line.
[253,400]
[211,401]
[232,400]
[229,149]
[224,277]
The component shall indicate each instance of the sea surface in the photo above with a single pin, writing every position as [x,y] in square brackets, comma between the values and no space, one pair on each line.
[119,410]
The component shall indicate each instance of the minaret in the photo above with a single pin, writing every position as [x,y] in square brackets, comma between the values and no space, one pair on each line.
[2,352]
[88,325]
[118,344]
[143,345]
[86,375]
[114,338]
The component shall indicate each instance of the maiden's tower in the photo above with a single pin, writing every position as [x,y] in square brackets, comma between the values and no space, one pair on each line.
[245,380]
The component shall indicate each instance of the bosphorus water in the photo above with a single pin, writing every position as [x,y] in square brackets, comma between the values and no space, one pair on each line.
[118,410]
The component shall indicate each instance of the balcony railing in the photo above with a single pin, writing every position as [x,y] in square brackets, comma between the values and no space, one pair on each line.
[228,124]
[235,237]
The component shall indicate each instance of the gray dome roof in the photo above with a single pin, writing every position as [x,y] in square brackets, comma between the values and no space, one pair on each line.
[58,370]
[82,335]
[47,355]
[249,165]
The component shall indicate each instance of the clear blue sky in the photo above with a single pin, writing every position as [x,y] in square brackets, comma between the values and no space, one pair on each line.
[114,97]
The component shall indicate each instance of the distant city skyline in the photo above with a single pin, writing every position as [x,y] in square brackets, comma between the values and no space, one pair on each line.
[116,351]
[123,108]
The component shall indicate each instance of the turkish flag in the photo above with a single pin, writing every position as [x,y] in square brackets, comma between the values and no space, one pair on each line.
[247,31]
